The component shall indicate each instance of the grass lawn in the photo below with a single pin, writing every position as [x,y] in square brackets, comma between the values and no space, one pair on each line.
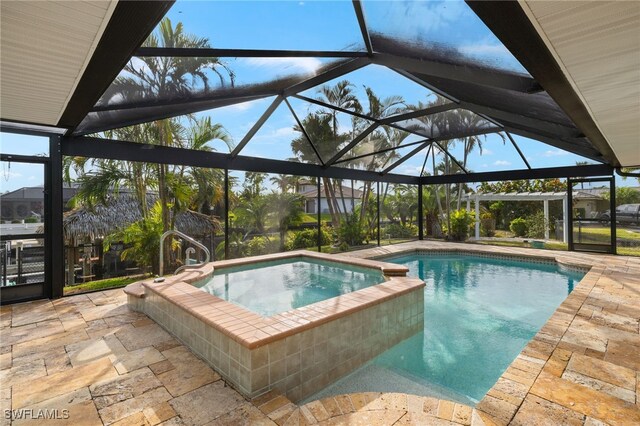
[629,251]
[621,233]
[624,251]
[101,284]
[312,218]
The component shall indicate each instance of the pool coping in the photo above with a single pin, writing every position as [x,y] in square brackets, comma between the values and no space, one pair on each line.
[252,330]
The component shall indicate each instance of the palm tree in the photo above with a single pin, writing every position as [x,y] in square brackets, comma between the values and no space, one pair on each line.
[383,137]
[319,128]
[252,185]
[254,211]
[340,95]
[471,122]
[165,78]
[162,77]
[283,182]
[287,210]
[142,239]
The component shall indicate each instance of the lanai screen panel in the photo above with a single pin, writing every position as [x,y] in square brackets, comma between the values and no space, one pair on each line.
[435,54]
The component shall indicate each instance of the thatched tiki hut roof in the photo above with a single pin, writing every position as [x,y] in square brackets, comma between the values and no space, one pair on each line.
[121,210]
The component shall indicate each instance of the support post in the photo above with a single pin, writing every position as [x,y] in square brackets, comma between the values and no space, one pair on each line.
[546,219]
[565,220]
[468,203]
[378,208]
[420,214]
[318,211]
[612,209]
[477,217]
[226,214]
[569,215]
[54,227]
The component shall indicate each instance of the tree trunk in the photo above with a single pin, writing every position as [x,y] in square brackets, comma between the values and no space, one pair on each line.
[464,164]
[334,200]
[344,205]
[429,223]
[447,195]
[364,203]
[163,195]
[437,190]
[334,220]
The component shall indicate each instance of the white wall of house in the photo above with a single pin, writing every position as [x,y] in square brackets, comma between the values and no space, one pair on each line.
[310,205]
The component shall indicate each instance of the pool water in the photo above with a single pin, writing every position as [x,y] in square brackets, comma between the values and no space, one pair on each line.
[269,288]
[479,314]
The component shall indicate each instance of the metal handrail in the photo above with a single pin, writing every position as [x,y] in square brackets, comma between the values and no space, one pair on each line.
[189,239]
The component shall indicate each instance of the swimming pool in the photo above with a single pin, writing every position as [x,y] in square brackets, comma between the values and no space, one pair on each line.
[479,314]
[269,288]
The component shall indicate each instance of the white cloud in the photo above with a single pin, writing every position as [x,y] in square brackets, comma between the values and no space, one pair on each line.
[409,170]
[484,49]
[296,65]
[244,106]
[418,19]
[31,178]
[284,132]
[502,163]
[7,174]
[139,65]
[486,151]
[484,165]
[276,136]
[554,153]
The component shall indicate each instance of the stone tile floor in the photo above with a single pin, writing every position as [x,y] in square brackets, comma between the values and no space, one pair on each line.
[89,354]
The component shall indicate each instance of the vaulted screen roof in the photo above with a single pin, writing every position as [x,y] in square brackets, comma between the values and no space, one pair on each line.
[486,85]
[455,77]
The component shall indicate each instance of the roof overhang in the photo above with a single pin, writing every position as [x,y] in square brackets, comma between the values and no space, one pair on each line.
[58,57]
[597,45]
[587,57]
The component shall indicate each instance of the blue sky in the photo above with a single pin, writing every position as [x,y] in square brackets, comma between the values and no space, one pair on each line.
[328,25]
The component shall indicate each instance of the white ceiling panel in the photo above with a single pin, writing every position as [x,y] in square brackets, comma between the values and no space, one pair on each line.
[597,44]
[44,48]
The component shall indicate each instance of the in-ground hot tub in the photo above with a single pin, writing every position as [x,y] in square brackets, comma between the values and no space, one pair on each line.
[276,286]
[293,322]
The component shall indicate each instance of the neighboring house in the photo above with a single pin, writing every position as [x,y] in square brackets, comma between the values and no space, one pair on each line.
[594,201]
[310,193]
[591,202]
[28,202]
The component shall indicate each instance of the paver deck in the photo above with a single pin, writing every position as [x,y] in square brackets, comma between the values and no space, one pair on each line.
[89,354]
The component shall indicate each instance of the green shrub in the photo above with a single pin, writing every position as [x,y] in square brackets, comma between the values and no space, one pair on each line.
[259,245]
[519,227]
[536,225]
[350,231]
[16,221]
[487,225]
[460,220]
[343,247]
[31,219]
[309,238]
[396,230]
[256,246]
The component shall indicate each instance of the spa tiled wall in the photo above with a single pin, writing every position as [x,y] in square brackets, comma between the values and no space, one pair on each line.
[300,364]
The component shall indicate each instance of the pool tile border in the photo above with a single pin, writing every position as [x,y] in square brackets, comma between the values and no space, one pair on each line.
[252,330]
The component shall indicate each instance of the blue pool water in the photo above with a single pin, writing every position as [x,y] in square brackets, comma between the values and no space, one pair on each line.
[479,314]
[270,288]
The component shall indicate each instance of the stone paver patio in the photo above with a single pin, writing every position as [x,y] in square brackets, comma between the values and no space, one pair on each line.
[89,354]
